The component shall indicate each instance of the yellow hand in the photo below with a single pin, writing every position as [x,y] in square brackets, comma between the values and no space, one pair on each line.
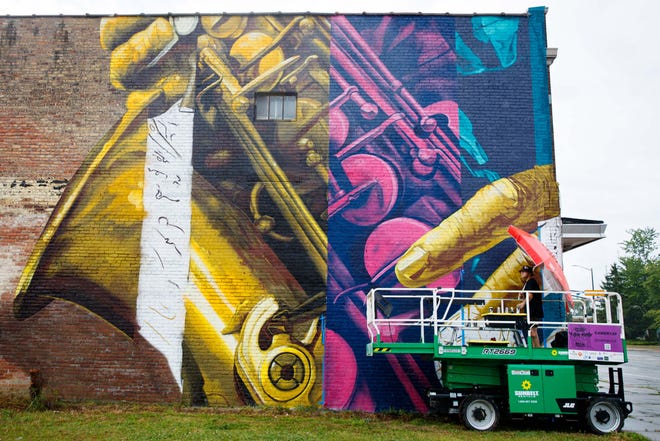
[521,199]
[148,54]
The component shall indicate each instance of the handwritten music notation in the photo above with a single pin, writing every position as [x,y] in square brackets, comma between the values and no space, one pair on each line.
[165,240]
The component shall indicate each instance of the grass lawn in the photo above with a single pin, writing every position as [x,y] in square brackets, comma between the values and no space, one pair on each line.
[153,422]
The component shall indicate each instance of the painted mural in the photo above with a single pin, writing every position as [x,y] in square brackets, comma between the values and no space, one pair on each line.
[240,247]
[430,167]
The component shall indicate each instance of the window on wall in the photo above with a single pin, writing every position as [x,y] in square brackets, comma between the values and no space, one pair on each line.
[275,106]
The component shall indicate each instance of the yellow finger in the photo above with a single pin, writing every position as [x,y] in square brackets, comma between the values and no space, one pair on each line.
[118,30]
[505,278]
[131,58]
[521,199]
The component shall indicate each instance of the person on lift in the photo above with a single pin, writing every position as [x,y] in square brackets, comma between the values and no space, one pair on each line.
[535,300]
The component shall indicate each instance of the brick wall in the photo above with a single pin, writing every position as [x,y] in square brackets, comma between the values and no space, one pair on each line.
[57,103]
[212,281]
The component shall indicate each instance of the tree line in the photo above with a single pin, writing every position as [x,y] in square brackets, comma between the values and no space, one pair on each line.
[636,276]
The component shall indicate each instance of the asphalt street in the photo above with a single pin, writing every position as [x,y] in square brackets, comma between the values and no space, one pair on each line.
[642,388]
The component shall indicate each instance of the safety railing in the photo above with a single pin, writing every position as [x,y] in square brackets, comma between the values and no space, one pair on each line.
[457,317]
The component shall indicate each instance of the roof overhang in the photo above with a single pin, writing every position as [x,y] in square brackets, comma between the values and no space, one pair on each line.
[578,232]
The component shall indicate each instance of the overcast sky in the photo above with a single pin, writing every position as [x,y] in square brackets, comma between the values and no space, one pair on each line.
[605,97]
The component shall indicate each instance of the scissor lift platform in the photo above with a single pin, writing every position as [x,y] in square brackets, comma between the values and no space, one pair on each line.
[488,363]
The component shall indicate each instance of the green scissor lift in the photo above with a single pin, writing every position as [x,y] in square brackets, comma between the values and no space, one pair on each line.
[488,367]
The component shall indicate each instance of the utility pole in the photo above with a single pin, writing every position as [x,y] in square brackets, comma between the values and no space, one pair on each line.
[591,270]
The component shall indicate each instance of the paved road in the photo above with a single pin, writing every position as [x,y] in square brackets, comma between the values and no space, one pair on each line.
[640,376]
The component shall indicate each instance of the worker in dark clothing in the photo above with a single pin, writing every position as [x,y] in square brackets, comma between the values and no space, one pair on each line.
[535,300]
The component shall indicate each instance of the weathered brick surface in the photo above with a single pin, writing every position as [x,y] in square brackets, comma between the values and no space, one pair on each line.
[57,103]
[57,100]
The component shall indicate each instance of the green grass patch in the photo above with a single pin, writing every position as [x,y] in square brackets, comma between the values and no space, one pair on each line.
[161,422]
[642,343]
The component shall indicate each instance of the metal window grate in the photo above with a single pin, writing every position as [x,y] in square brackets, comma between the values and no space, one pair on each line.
[275,106]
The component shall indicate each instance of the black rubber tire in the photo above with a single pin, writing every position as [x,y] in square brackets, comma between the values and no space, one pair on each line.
[604,416]
[478,412]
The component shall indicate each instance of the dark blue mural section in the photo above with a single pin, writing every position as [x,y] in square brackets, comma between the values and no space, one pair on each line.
[429,117]
[497,134]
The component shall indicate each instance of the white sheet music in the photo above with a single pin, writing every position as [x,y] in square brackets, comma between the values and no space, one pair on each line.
[165,242]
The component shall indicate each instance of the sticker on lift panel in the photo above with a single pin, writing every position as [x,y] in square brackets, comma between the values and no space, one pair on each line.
[520,372]
[595,341]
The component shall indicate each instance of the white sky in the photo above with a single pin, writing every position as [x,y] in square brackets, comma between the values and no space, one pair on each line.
[604,89]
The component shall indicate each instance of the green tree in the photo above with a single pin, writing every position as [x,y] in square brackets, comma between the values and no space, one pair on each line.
[652,287]
[642,244]
[637,277]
